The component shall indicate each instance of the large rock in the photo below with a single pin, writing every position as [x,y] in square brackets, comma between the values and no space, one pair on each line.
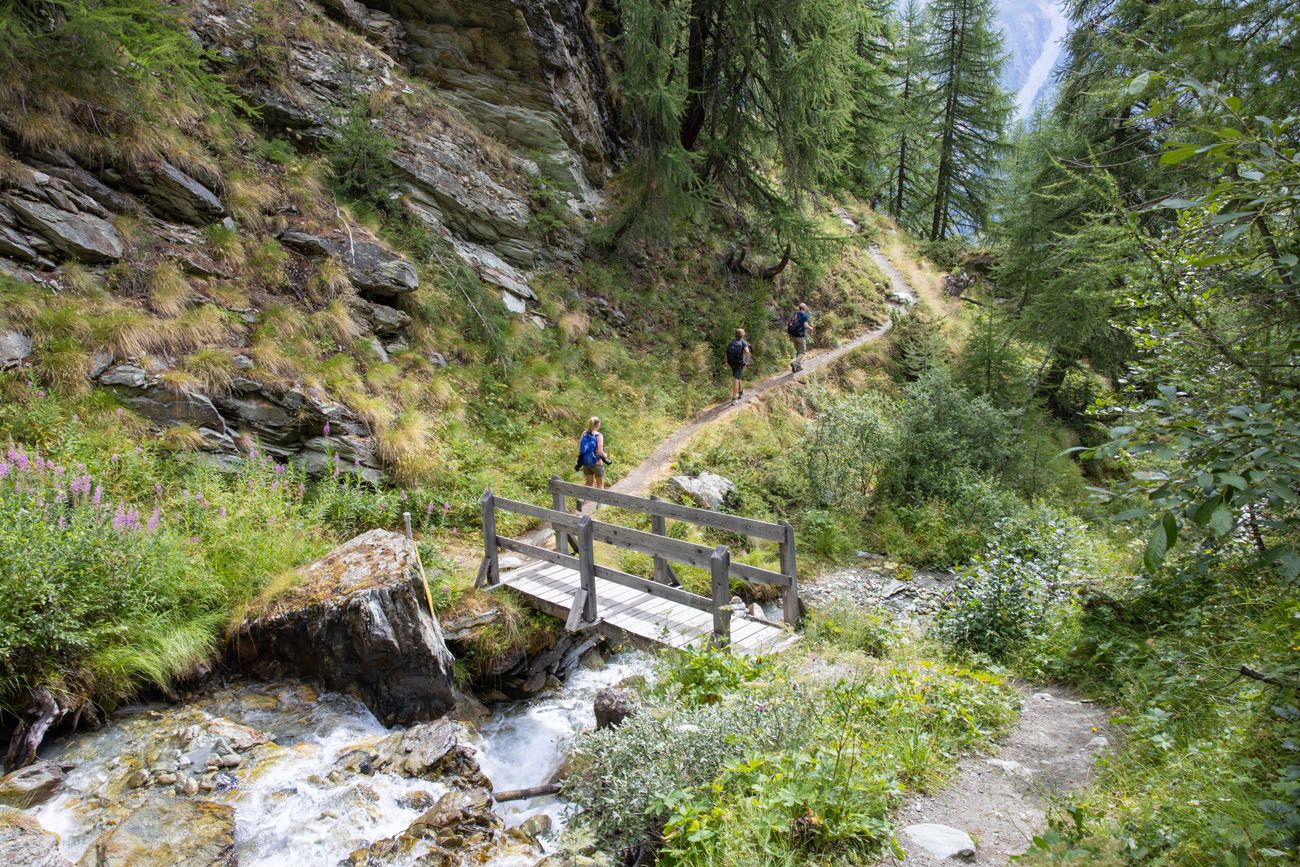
[167,832]
[14,348]
[24,842]
[81,235]
[32,785]
[416,751]
[612,706]
[358,620]
[370,266]
[709,490]
[173,193]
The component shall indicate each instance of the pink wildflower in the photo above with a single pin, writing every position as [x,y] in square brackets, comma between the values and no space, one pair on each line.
[326,429]
[99,495]
[155,518]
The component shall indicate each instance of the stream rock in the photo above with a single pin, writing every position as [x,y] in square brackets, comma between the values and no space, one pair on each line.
[358,620]
[167,832]
[460,828]
[708,490]
[416,751]
[32,785]
[612,706]
[24,843]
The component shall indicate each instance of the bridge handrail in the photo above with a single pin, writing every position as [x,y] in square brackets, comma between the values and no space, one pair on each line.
[703,517]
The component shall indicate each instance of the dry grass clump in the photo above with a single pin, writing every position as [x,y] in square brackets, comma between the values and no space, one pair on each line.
[249,198]
[212,369]
[268,264]
[180,381]
[404,445]
[169,292]
[79,279]
[227,245]
[181,438]
[336,321]
[574,325]
[330,281]
[204,325]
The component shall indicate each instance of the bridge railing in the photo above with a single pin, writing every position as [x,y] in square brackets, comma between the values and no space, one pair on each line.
[579,533]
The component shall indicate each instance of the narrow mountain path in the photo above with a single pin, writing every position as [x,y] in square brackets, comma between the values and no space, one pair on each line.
[1000,801]
[657,465]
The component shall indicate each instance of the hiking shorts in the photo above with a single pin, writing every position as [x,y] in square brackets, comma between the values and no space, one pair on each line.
[596,470]
[737,371]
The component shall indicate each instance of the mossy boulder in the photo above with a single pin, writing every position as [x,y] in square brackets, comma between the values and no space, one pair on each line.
[358,620]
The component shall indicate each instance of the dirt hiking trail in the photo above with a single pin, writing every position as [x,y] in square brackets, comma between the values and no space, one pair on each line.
[1001,800]
[641,478]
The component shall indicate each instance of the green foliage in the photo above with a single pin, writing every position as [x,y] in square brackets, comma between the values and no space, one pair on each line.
[871,632]
[916,344]
[359,160]
[704,676]
[1022,588]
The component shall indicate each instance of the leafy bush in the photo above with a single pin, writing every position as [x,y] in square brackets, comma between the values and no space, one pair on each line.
[1023,584]
[358,157]
[704,675]
[623,775]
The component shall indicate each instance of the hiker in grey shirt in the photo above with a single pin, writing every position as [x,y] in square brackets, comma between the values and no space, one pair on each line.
[798,328]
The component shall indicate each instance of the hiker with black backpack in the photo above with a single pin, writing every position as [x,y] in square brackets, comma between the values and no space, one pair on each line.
[592,459]
[739,355]
[798,327]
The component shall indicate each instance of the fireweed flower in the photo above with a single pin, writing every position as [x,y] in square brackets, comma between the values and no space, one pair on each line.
[157,488]
[155,518]
[428,510]
[325,429]
[446,507]
[99,495]
[4,469]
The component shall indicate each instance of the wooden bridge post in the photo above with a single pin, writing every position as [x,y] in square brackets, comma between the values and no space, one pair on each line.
[659,526]
[492,569]
[720,567]
[559,504]
[791,600]
[587,567]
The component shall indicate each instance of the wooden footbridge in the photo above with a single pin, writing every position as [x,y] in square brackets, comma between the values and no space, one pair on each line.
[568,582]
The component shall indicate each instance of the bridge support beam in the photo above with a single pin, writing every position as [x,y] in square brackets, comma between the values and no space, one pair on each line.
[720,568]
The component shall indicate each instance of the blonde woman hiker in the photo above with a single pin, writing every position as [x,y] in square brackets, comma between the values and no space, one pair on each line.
[592,459]
[799,326]
[739,355]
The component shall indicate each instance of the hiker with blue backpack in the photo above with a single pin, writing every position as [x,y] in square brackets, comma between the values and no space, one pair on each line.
[798,328]
[739,355]
[592,459]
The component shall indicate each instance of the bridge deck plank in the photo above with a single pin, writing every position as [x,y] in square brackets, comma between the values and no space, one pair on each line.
[639,615]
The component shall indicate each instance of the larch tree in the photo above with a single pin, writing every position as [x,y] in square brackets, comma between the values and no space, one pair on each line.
[744,106]
[964,60]
[910,182]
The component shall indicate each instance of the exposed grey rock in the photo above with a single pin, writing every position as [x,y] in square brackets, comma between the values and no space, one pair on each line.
[175,194]
[536,826]
[437,359]
[14,348]
[941,841]
[17,246]
[612,706]
[81,235]
[417,751]
[168,832]
[24,842]
[370,266]
[514,303]
[381,318]
[709,490]
[32,785]
[358,621]
[491,268]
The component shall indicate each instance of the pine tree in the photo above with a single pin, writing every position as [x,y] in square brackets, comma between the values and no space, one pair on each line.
[964,59]
[910,181]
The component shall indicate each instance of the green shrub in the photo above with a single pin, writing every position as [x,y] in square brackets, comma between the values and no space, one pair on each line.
[359,160]
[1022,587]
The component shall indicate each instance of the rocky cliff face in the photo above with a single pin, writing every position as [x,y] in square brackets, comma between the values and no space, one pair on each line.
[485,102]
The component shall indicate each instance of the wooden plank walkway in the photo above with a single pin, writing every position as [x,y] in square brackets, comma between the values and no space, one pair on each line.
[626,612]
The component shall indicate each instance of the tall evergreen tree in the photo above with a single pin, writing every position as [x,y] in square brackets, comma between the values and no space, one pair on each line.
[741,103]
[910,182]
[964,60]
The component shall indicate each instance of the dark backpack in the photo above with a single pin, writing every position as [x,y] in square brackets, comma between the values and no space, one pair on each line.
[795,326]
[587,455]
[736,352]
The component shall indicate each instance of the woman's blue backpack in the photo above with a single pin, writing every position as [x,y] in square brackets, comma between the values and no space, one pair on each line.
[587,450]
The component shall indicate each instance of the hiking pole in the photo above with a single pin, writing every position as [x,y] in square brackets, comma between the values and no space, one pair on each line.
[410,537]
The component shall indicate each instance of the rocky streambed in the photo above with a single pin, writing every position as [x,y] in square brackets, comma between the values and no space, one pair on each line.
[257,773]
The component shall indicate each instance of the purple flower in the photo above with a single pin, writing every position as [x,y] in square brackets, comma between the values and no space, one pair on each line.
[428,510]
[113,456]
[99,495]
[222,511]
[279,469]
[302,488]
[157,488]
[80,485]
[40,393]
[446,507]
[4,469]
[120,411]
[155,518]
[326,429]
[446,588]
[125,519]
[403,496]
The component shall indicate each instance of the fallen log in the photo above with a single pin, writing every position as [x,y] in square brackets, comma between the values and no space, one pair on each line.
[522,794]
